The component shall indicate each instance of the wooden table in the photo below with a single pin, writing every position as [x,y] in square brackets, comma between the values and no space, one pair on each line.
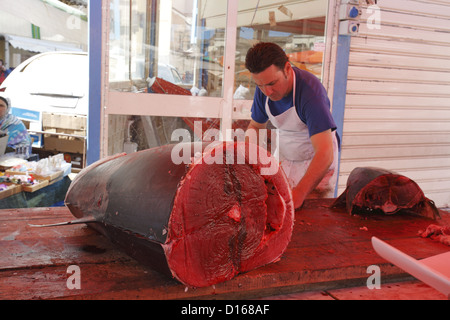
[329,249]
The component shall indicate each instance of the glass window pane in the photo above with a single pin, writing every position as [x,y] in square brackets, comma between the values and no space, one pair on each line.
[130,133]
[174,40]
[297,26]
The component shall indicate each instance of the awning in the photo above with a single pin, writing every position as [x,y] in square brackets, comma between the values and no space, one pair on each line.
[54,23]
[36,45]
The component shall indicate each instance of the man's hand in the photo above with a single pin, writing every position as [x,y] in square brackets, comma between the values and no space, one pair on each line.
[323,158]
[298,197]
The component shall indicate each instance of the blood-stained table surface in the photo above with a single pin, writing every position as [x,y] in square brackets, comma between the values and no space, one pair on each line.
[329,249]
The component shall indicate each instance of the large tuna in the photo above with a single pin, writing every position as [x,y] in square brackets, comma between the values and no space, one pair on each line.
[203,222]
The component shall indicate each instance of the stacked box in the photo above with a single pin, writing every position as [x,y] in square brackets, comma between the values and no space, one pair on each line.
[75,125]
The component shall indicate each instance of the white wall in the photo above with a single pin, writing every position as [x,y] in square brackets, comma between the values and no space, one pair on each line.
[397,112]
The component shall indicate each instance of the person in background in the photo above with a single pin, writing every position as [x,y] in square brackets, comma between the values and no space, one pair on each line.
[3,71]
[17,133]
[296,103]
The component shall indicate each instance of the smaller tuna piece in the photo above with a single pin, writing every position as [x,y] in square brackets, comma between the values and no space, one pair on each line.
[371,189]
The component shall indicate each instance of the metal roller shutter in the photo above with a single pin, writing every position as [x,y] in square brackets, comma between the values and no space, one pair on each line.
[397,111]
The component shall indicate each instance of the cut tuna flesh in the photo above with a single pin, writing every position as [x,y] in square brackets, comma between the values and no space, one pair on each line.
[203,222]
[371,189]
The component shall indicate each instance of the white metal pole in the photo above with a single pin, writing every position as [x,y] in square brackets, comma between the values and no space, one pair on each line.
[229,70]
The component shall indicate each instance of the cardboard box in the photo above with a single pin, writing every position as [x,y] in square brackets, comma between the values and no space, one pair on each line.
[79,133]
[64,144]
[64,121]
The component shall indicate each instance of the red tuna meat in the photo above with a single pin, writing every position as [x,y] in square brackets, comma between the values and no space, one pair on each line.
[371,189]
[203,222]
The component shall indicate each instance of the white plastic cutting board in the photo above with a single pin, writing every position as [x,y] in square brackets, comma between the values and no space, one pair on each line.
[434,271]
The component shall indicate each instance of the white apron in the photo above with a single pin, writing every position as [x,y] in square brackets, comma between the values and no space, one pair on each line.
[296,150]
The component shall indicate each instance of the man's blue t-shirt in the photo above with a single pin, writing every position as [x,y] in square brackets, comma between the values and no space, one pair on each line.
[311,102]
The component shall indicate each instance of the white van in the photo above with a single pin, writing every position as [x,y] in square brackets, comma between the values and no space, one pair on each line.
[54,82]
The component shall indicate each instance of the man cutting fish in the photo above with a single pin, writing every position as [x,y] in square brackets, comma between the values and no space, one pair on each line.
[297,104]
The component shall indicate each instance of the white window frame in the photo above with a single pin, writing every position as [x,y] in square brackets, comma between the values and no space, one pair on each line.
[225,108]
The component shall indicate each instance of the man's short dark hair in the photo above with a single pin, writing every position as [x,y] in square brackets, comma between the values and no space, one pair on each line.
[264,54]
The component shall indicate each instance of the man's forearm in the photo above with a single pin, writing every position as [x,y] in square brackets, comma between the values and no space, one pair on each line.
[316,171]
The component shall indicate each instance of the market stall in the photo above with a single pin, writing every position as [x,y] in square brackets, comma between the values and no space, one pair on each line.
[33,183]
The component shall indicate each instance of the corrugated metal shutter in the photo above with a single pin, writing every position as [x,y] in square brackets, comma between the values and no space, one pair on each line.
[397,112]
